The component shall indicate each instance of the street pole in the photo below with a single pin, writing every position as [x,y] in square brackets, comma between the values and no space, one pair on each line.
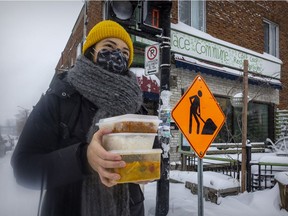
[200,187]
[162,195]
[244,126]
[248,165]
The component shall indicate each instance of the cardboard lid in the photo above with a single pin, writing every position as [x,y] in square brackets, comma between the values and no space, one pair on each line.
[130,117]
[140,151]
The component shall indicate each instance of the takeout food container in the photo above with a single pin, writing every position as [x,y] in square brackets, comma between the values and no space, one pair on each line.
[141,165]
[131,123]
[128,141]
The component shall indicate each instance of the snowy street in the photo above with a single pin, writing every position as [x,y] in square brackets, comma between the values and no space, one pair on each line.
[18,201]
[14,199]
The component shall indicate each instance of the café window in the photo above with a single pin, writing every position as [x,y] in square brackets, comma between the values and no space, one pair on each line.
[225,135]
[193,13]
[257,122]
[258,128]
[271,38]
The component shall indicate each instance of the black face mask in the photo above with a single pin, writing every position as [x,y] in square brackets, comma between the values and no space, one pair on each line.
[113,61]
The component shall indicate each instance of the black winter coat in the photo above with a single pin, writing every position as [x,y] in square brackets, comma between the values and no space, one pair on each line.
[52,156]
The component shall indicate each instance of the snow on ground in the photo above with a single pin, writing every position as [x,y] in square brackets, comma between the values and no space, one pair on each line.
[211,179]
[18,201]
[282,177]
[274,159]
[182,202]
[14,199]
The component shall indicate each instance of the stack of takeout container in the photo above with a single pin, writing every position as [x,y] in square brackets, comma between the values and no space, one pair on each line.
[132,137]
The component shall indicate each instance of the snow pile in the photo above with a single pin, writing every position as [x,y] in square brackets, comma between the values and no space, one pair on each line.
[274,159]
[183,202]
[282,177]
[211,179]
[140,72]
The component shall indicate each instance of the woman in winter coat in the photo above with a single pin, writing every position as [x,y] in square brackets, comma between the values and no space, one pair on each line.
[60,151]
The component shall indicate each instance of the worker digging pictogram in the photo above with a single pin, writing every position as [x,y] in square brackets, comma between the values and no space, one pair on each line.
[195,111]
[198,116]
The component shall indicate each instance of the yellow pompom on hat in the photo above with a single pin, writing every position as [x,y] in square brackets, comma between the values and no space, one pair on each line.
[109,29]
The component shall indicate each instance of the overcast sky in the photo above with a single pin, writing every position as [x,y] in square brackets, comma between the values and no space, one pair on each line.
[32,36]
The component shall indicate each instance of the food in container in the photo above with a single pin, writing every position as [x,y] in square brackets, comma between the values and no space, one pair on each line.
[141,165]
[128,141]
[131,123]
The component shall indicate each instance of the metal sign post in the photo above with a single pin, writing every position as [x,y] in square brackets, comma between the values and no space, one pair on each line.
[200,187]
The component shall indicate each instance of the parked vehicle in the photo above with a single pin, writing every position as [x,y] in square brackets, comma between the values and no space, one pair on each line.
[2,147]
[6,145]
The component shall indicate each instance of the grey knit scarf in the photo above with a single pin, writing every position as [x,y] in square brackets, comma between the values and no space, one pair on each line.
[113,94]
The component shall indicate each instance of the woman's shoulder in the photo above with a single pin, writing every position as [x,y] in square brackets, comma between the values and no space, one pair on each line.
[59,96]
[60,87]
[59,92]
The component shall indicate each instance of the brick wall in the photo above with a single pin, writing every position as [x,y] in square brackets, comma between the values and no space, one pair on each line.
[241,23]
[94,14]
[68,55]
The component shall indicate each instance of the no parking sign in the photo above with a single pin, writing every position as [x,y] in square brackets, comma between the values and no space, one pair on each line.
[152,59]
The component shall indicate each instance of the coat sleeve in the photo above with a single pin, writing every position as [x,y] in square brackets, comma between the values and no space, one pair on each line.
[38,160]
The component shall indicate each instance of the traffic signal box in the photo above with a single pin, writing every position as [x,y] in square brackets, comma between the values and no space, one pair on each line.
[123,12]
[198,116]
[142,15]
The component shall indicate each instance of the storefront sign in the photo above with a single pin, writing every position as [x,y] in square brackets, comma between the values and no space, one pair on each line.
[204,49]
[226,55]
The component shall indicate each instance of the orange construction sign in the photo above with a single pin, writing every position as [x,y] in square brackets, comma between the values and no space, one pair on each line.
[198,116]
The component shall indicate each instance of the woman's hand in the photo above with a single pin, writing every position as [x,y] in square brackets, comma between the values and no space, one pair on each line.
[101,160]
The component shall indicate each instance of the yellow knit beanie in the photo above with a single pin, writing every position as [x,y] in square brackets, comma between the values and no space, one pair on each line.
[108,29]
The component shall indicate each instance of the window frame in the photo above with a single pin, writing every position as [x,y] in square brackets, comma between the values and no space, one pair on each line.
[276,42]
[203,21]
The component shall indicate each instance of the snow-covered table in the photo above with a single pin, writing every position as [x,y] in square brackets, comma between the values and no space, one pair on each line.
[282,179]
[215,185]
